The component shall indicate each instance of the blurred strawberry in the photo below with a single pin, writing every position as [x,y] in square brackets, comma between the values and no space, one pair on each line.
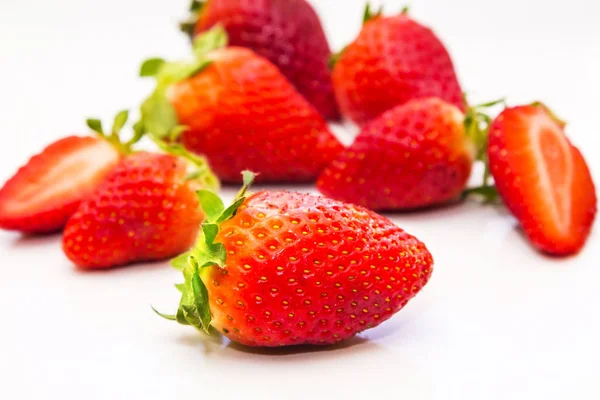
[236,108]
[286,32]
[145,210]
[393,60]
[415,155]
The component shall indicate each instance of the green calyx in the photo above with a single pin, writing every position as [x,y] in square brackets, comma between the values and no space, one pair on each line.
[188,25]
[194,306]
[113,137]
[370,14]
[477,124]
[159,117]
[201,172]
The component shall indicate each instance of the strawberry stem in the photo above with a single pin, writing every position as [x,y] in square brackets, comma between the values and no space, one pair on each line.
[202,172]
[477,125]
[114,137]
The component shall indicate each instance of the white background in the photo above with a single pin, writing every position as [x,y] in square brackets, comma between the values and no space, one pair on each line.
[497,321]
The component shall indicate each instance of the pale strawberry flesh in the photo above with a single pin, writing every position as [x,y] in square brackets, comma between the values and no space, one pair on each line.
[47,191]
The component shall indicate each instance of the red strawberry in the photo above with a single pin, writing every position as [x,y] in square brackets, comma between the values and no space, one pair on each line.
[45,192]
[240,112]
[286,32]
[145,210]
[289,268]
[392,61]
[415,155]
[542,178]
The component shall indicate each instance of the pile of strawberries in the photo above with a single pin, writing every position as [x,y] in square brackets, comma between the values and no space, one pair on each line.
[280,268]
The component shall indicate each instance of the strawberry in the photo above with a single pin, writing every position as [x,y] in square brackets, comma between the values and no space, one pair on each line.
[281,268]
[393,60]
[542,178]
[286,32]
[235,107]
[145,210]
[45,192]
[415,155]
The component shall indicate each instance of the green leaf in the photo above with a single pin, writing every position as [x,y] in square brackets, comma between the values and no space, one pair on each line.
[231,210]
[210,233]
[196,5]
[213,39]
[211,204]
[206,252]
[166,316]
[181,261]
[119,122]
[179,287]
[180,70]
[201,300]
[177,131]
[158,115]
[488,193]
[95,125]
[151,67]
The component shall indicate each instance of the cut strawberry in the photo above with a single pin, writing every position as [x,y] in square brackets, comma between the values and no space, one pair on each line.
[48,189]
[542,178]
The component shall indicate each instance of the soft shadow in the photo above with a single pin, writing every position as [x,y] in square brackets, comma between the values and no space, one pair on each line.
[216,343]
[451,205]
[292,187]
[27,241]
[135,266]
[298,349]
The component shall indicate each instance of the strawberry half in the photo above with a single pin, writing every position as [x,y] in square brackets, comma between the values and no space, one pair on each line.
[237,109]
[44,193]
[281,268]
[542,178]
[286,32]
[393,60]
[145,210]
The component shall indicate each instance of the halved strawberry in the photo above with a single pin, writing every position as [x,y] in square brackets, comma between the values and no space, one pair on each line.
[542,178]
[44,193]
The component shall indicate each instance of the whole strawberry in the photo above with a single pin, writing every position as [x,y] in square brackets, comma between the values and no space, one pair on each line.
[416,155]
[46,191]
[145,210]
[542,178]
[393,60]
[237,109]
[281,268]
[286,32]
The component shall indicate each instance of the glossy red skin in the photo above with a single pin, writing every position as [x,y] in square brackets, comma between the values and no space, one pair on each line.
[243,114]
[52,215]
[288,33]
[144,211]
[514,168]
[393,60]
[413,156]
[304,269]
